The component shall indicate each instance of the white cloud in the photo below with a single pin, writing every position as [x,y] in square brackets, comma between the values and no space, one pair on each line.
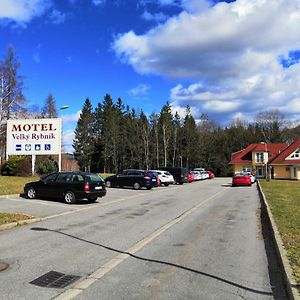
[140,90]
[157,17]
[67,140]
[68,118]
[22,11]
[231,51]
[57,17]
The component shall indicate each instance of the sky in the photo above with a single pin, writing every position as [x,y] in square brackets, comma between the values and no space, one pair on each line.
[227,59]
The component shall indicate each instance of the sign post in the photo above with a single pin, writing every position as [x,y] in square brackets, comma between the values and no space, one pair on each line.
[34,137]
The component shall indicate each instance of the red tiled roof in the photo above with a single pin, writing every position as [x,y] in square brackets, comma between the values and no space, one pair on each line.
[245,156]
[280,159]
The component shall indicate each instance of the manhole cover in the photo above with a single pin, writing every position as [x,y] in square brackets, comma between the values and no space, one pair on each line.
[54,279]
[3,266]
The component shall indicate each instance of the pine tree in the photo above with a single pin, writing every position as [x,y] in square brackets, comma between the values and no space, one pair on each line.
[145,138]
[83,142]
[49,110]
[166,128]
[190,139]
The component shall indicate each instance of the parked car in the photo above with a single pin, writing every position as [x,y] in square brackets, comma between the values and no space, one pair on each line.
[131,178]
[153,174]
[180,174]
[199,169]
[241,179]
[197,175]
[70,186]
[191,177]
[211,174]
[252,177]
[165,177]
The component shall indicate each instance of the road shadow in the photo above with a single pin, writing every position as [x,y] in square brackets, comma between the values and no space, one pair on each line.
[212,276]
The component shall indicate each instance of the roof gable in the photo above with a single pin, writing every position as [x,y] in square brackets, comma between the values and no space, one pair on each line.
[245,156]
[288,155]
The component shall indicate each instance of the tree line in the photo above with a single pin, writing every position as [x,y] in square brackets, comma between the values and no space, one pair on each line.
[112,137]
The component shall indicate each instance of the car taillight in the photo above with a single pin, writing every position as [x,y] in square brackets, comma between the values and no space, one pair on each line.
[181,175]
[147,178]
[86,187]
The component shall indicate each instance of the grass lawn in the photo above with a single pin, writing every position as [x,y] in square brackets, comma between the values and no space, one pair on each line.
[6,218]
[284,200]
[13,184]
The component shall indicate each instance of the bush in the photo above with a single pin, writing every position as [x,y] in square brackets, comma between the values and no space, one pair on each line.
[17,166]
[46,166]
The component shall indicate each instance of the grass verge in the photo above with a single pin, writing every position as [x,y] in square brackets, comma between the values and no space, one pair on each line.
[284,200]
[13,184]
[6,218]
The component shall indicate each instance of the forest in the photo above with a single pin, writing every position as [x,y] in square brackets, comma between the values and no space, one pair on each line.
[112,137]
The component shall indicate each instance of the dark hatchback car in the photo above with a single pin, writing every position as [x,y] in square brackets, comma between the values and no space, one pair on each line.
[132,178]
[180,174]
[70,186]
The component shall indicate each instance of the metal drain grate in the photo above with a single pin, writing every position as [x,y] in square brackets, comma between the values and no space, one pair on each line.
[54,279]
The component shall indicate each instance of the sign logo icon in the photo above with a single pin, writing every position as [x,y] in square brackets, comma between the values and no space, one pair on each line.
[47,147]
[27,147]
[18,147]
[37,147]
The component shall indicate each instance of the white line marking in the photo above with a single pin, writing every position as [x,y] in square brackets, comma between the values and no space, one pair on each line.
[114,262]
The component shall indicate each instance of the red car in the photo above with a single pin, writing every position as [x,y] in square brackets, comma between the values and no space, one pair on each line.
[211,174]
[241,179]
[191,177]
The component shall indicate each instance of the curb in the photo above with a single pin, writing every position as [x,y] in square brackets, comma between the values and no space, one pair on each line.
[8,196]
[289,281]
[19,223]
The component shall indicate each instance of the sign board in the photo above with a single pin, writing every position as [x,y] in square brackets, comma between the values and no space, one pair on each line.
[34,136]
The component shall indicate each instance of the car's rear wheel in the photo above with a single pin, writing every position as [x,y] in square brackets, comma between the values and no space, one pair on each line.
[31,193]
[108,183]
[69,197]
[136,186]
[166,184]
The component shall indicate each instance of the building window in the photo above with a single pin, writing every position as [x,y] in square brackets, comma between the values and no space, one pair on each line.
[259,157]
[296,154]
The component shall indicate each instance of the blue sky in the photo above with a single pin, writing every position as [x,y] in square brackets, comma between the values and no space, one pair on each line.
[228,59]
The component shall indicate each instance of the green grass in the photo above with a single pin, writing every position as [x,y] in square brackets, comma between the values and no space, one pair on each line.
[284,200]
[6,218]
[13,184]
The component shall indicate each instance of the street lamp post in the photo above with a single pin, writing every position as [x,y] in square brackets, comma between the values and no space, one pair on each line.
[64,107]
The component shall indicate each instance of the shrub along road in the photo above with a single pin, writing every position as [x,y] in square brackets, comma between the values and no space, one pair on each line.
[202,240]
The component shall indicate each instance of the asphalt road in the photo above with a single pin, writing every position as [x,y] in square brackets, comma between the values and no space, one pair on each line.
[202,240]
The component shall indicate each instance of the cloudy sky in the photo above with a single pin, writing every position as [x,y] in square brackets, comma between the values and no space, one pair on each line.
[227,59]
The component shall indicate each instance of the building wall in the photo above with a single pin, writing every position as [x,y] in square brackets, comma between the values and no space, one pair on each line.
[282,172]
[240,168]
